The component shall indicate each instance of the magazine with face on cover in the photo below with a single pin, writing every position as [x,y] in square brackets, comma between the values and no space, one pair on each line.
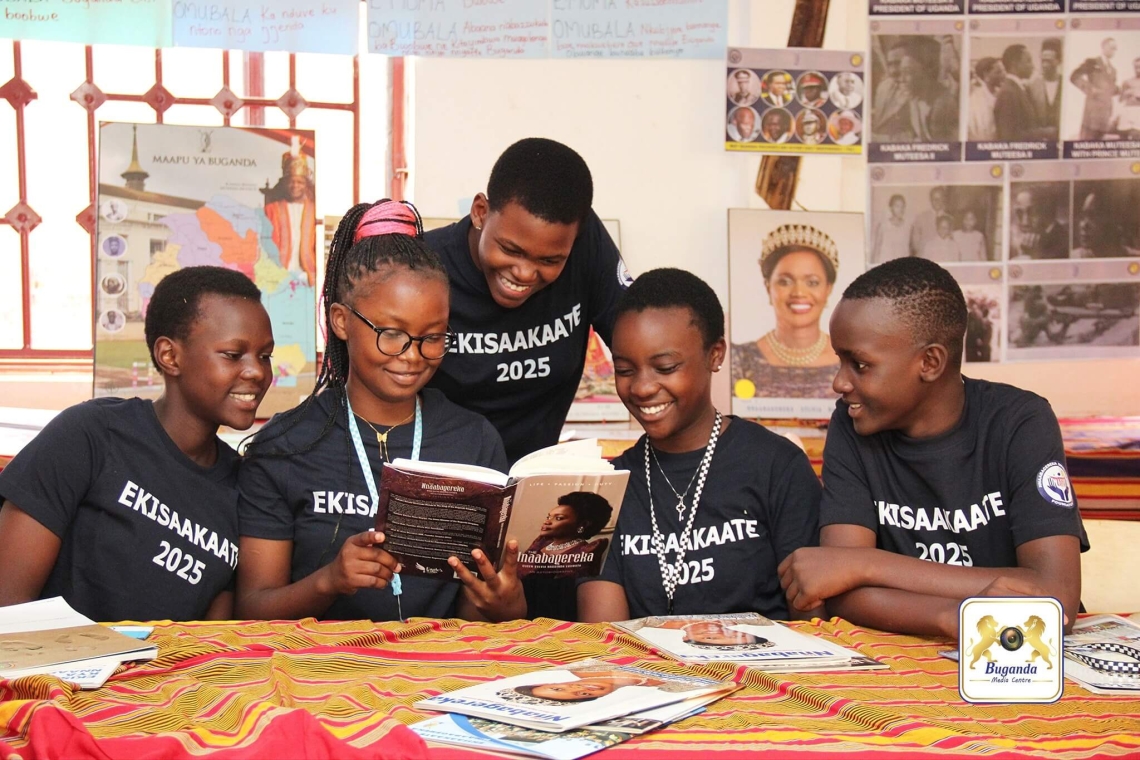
[747,638]
[572,696]
[561,504]
[1110,642]
[459,730]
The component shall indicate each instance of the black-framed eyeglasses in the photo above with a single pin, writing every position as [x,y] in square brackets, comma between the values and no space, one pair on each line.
[391,341]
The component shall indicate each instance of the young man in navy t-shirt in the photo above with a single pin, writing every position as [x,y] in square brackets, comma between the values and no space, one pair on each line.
[532,269]
[923,464]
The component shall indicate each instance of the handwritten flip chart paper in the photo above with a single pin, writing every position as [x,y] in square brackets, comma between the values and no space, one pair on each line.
[133,22]
[459,28]
[295,26]
[638,28]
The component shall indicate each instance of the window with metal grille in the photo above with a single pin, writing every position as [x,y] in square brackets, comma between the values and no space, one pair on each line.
[59,92]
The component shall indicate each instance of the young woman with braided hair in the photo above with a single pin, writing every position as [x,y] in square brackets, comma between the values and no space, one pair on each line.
[307,506]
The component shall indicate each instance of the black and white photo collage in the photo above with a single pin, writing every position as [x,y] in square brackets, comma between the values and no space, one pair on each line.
[1004,143]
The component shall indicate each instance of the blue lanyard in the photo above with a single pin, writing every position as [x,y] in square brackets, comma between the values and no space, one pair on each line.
[370,480]
[362,456]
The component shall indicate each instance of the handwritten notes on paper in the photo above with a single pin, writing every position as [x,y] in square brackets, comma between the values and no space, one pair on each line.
[459,28]
[549,28]
[112,22]
[638,28]
[297,26]
[438,28]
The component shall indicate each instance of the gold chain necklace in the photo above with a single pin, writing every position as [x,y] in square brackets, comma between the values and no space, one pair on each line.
[797,357]
[382,438]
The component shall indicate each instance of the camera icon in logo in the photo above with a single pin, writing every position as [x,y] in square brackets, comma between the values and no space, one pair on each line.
[1010,649]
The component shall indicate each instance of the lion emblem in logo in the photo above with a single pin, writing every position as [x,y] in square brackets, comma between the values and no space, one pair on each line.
[988,633]
[1034,629]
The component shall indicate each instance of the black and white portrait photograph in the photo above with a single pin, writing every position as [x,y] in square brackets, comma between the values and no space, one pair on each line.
[1106,219]
[1014,90]
[943,223]
[1101,104]
[1039,220]
[743,87]
[846,90]
[915,87]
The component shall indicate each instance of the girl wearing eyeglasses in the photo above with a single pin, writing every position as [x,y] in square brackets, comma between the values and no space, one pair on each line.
[307,484]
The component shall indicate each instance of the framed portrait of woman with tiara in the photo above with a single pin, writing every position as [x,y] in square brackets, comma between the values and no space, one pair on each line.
[787,270]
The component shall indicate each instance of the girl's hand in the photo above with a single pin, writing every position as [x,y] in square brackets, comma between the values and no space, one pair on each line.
[495,596]
[360,563]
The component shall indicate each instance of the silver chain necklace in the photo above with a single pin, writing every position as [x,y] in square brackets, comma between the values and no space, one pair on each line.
[671,572]
[680,496]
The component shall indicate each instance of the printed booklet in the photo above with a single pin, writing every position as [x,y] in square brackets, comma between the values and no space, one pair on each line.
[478,733]
[48,637]
[561,503]
[1112,644]
[580,694]
[746,638]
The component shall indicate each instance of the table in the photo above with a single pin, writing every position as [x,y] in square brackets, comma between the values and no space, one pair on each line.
[345,690]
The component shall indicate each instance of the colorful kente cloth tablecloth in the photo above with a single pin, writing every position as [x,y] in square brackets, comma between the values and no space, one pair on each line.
[346,690]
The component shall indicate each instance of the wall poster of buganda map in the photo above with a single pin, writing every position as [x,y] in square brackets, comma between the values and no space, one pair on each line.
[175,196]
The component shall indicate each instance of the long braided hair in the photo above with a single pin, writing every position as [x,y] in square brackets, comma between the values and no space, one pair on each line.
[370,237]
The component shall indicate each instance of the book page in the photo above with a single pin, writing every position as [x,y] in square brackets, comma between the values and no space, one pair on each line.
[565,523]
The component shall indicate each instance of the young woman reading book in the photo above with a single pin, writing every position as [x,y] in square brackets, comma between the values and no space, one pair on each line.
[309,482]
[714,502]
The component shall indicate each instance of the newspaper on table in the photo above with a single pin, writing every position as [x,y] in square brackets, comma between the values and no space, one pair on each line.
[1105,640]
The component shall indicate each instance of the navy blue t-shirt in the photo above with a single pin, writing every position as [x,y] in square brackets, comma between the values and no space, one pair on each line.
[520,367]
[968,497]
[146,534]
[319,499]
[760,503]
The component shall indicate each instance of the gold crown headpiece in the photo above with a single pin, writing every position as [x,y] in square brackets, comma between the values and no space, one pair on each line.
[295,165]
[800,236]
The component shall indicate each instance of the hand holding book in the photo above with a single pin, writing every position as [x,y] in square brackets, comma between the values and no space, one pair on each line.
[360,563]
[496,596]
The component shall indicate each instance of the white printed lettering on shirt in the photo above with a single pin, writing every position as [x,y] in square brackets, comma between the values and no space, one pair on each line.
[933,518]
[136,498]
[521,340]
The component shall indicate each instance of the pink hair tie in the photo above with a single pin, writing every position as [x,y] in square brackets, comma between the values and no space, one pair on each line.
[387,218]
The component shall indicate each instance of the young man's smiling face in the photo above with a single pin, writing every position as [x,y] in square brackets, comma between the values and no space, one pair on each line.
[517,252]
[880,366]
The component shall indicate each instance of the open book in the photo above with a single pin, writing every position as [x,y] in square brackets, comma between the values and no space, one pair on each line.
[48,637]
[478,733]
[561,503]
[745,638]
[580,694]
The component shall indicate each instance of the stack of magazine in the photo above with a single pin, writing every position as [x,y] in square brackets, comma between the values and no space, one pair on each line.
[1106,641]
[746,638]
[48,637]
[567,712]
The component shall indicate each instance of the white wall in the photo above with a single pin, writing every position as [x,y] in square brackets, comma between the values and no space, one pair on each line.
[651,133]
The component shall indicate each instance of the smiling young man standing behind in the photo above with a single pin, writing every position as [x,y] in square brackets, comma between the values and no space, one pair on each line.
[532,268]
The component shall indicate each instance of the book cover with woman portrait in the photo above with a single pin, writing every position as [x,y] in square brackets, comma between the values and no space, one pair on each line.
[787,270]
